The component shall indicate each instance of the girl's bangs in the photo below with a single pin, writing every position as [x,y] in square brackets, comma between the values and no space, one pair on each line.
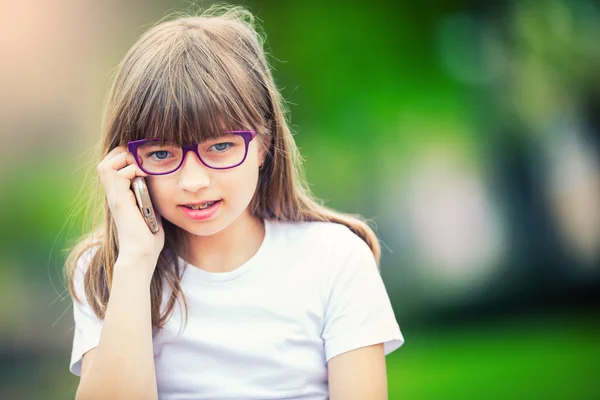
[185,121]
[187,110]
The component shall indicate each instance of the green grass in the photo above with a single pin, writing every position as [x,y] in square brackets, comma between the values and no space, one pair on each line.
[546,357]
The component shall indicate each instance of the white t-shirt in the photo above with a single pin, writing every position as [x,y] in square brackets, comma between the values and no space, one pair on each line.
[266,329]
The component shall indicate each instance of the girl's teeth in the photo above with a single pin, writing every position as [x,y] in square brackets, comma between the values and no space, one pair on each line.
[202,206]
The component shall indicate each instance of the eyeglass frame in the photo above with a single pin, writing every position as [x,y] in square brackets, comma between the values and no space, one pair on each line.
[133,146]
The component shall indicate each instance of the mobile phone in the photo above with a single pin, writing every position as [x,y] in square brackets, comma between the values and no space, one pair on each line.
[138,185]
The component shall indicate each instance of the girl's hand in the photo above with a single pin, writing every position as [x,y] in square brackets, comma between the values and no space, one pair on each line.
[136,242]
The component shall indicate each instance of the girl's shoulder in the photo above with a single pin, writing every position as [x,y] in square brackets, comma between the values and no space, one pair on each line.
[85,255]
[84,250]
[328,234]
[79,263]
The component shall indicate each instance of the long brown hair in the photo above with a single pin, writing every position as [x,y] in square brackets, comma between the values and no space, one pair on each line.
[184,80]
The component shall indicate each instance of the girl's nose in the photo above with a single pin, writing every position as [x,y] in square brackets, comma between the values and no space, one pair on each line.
[193,175]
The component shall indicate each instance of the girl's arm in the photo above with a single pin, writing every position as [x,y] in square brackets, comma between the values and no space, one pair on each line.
[358,374]
[122,366]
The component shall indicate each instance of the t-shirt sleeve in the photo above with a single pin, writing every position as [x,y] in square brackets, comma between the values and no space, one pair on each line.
[87,325]
[358,312]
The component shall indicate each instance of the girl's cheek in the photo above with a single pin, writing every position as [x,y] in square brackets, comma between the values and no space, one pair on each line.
[155,191]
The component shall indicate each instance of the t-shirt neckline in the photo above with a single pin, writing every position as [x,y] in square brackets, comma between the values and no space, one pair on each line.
[194,273]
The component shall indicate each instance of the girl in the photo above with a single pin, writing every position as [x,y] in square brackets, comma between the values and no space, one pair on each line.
[251,289]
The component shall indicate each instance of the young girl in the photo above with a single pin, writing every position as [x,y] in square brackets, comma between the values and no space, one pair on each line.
[251,289]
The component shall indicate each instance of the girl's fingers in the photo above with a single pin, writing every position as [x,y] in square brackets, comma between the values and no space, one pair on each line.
[130,172]
[122,160]
[106,163]
[115,152]
[119,161]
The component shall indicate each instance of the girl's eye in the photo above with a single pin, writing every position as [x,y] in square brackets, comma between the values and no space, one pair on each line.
[221,147]
[160,155]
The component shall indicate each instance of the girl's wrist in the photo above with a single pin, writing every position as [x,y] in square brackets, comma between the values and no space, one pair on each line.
[139,266]
[137,258]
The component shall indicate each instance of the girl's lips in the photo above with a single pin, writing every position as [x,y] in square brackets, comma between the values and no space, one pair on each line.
[199,215]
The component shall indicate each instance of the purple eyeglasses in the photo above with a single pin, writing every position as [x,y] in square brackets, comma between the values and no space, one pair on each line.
[225,152]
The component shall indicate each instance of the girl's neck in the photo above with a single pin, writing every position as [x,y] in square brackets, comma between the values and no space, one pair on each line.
[229,248]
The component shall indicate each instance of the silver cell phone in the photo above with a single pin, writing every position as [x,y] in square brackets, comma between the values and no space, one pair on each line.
[138,185]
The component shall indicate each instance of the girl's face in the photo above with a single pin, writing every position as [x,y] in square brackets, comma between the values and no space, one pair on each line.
[194,182]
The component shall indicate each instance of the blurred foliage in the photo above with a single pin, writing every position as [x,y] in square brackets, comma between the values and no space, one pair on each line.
[467,131]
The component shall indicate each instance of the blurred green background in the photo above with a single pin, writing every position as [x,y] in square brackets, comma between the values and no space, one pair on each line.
[468,131]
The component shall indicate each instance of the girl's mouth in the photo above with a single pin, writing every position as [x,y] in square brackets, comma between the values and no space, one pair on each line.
[201,206]
[201,211]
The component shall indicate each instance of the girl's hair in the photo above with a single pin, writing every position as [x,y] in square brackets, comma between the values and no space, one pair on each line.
[185,80]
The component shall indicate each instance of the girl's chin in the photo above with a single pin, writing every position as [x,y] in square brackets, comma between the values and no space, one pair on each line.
[202,228]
